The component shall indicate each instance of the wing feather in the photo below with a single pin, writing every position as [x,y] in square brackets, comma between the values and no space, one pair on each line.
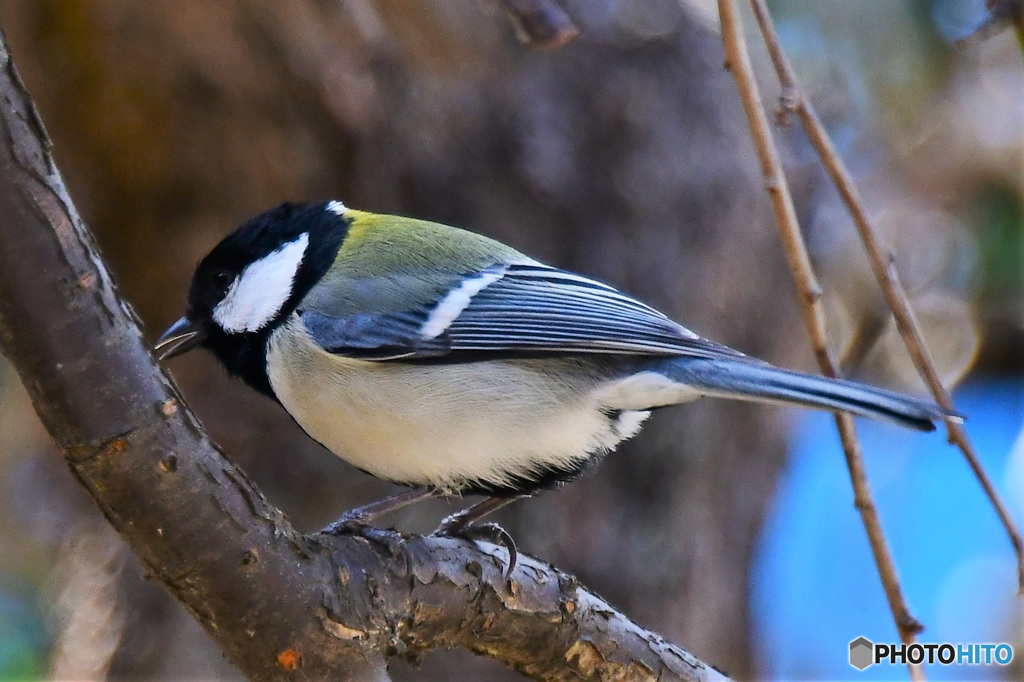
[524,307]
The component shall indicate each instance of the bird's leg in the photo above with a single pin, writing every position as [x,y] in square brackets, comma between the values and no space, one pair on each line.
[361,516]
[460,525]
[472,514]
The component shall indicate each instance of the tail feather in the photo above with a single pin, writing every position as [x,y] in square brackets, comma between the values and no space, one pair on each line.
[747,380]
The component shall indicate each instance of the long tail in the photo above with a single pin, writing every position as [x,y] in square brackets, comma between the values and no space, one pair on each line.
[746,380]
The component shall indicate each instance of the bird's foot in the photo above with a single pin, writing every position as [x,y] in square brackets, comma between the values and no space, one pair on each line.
[453,527]
[349,523]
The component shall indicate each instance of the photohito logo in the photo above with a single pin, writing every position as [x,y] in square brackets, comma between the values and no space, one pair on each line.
[865,653]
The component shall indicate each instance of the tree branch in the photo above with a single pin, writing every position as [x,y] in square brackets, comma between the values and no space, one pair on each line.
[809,294]
[883,261]
[541,622]
[280,605]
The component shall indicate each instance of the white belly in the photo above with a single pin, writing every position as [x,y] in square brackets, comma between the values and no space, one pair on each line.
[445,425]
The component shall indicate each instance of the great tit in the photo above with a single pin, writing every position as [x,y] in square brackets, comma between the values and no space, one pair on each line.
[448,362]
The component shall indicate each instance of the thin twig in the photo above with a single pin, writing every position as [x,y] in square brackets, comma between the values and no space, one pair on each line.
[882,264]
[540,23]
[738,62]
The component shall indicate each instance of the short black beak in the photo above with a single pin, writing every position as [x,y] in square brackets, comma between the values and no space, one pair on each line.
[183,336]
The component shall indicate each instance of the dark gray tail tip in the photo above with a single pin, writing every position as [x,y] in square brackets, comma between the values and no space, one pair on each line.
[925,424]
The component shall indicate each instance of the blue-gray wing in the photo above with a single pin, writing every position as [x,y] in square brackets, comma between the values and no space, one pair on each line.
[517,308]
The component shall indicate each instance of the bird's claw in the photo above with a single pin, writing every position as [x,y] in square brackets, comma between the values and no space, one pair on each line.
[346,525]
[489,532]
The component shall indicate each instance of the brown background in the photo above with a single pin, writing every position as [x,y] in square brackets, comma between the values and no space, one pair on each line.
[623,155]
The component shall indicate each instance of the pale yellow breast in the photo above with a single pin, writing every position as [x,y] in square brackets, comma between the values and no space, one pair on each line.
[438,424]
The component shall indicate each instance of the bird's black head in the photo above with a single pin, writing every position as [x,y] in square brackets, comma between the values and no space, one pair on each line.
[252,281]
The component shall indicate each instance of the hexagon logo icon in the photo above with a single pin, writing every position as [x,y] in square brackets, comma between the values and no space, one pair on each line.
[861,653]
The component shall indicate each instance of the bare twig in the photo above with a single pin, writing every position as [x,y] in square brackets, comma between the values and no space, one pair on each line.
[540,23]
[882,264]
[738,62]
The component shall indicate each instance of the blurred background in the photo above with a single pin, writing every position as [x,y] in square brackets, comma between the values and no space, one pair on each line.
[728,528]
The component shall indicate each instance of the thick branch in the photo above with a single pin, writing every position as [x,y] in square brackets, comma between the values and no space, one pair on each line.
[278,604]
[541,622]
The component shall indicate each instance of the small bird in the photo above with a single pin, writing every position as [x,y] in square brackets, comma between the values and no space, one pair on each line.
[450,363]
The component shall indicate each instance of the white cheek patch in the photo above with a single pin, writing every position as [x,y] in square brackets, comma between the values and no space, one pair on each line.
[258,294]
[452,305]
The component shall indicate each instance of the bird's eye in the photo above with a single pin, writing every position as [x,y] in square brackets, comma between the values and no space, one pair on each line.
[220,280]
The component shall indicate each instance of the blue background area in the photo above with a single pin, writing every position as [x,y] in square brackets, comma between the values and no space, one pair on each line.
[814,584]
[23,637]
